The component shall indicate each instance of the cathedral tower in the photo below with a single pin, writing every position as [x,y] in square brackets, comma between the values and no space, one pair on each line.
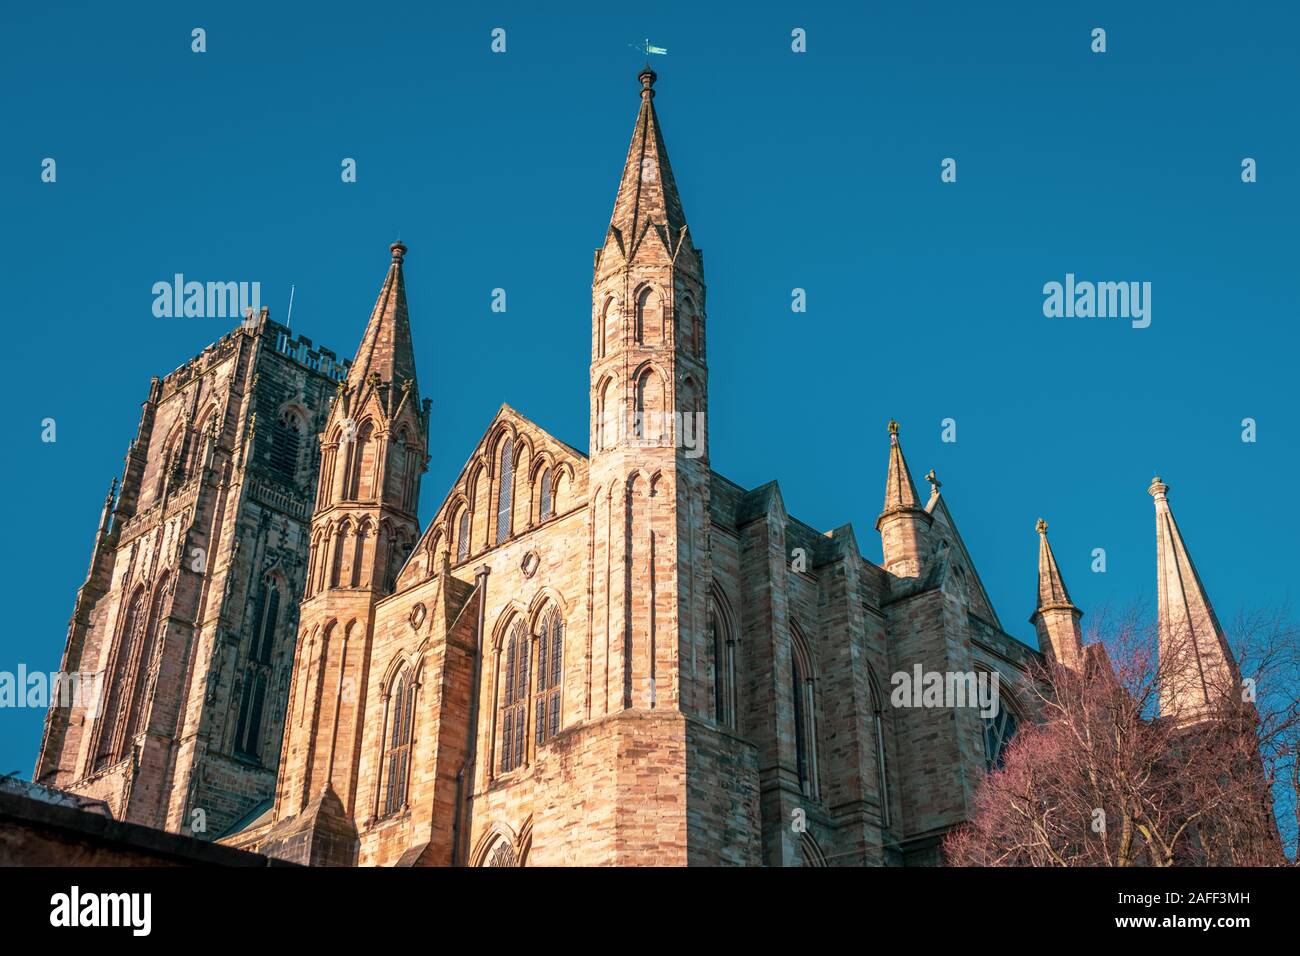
[649,476]
[188,614]
[373,452]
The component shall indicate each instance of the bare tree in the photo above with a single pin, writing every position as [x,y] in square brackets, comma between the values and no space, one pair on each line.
[1146,758]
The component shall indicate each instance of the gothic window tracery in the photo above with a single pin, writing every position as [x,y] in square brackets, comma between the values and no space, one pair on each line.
[500,855]
[998,731]
[550,671]
[514,698]
[397,754]
[131,637]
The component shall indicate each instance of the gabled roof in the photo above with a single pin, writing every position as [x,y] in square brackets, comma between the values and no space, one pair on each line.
[540,440]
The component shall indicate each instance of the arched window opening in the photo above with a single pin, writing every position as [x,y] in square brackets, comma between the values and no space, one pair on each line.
[266,616]
[462,535]
[550,670]
[514,699]
[506,489]
[248,728]
[803,690]
[998,731]
[139,687]
[286,440]
[882,772]
[171,466]
[397,755]
[130,638]
[544,505]
[723,666]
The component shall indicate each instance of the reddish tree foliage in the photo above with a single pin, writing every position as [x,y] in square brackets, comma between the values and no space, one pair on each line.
[1102,779]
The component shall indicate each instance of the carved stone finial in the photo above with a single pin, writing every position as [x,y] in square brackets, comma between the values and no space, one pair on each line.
[373,380]
[935,483]
[1041,526]
[893,427]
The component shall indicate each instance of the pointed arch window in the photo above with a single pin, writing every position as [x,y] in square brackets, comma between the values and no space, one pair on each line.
[514,699]
[501,855]
[266,616]
[882,772]
[130,639]
[149,644]
[723,665]
[803,690]
[545,505]
[397,754]
[248,728]
[550,671]
[998,731]
[286,441]
[462,535]
[506,492]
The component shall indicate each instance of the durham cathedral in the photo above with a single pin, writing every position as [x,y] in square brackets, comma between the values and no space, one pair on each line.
[617,657]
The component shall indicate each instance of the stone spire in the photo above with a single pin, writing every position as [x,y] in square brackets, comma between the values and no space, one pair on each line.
[1197,667]
[904,524]
[1056,619]
[386,348]
[900,491]
[647,202]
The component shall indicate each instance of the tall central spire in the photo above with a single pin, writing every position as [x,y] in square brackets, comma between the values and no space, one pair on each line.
[647,202]
[386,348]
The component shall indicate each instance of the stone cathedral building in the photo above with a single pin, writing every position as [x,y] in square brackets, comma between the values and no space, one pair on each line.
[618,657]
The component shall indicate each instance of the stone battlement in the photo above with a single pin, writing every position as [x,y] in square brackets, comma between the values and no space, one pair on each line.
[300,349]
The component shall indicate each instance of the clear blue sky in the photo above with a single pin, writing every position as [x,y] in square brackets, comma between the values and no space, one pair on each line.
[818,170]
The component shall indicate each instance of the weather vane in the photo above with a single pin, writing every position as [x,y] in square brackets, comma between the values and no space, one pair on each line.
[645,47]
